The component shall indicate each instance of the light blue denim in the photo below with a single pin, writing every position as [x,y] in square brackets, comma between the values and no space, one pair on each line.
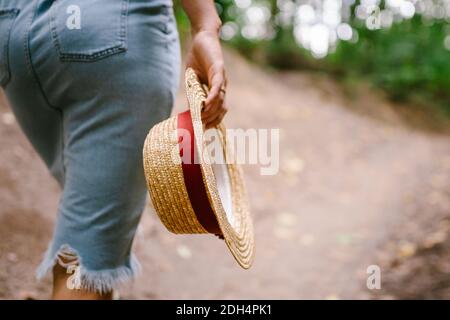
[86,92]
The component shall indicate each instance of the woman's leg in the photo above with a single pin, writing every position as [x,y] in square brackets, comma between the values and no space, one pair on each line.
[103,109]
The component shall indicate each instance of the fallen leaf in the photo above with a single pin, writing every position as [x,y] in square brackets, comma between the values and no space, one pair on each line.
[293,165]
[407,249]
[286,219]
[435,239]
[184,252]
[268,195]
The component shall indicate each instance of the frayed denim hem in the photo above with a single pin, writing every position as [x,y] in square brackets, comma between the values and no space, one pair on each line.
[100,281]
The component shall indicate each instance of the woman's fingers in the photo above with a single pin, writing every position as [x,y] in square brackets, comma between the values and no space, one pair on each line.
[211,118]
[216,81]
[216,119]
[214,92]
[215,108]
[214,112]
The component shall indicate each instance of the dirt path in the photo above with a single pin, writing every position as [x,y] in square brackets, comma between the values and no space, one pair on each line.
[352,191]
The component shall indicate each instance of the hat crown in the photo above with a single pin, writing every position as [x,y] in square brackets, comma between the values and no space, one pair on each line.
[168,191]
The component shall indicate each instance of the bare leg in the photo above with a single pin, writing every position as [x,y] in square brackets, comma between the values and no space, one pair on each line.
[62,292]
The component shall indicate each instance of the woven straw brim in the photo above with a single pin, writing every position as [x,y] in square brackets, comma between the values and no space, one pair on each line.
[165,181]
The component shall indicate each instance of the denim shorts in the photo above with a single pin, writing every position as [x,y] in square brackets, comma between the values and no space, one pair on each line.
[86,80]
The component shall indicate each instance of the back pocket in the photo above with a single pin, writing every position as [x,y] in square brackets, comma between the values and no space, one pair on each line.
[7,18]
[89,30]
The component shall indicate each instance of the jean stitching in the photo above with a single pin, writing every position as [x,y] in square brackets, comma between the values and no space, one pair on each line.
[35,78]
[10,14]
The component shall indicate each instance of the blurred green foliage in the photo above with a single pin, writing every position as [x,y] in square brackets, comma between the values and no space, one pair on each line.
[407,60]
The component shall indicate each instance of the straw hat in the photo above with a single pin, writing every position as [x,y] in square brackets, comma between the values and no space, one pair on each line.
[197,196]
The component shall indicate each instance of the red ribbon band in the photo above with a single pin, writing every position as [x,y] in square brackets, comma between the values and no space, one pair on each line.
[192,174]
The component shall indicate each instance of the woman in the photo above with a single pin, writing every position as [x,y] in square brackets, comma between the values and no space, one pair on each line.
[86,80]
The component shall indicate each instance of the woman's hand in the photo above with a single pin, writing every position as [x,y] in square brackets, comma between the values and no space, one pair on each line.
[205,57]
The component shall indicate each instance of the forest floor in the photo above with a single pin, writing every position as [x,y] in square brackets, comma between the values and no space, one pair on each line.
[362,182]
